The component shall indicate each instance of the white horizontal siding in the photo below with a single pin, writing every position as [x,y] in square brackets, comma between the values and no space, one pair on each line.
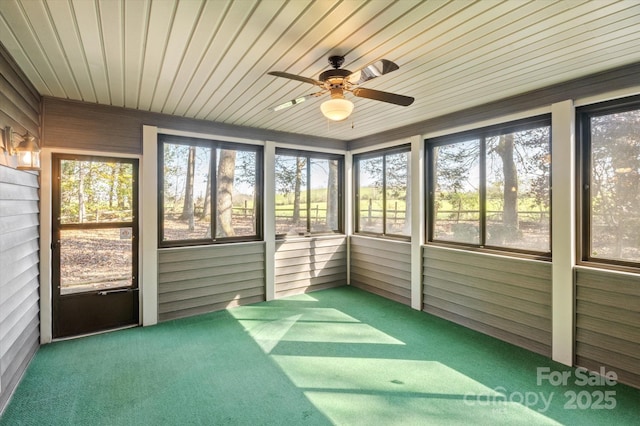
[382,267]
[310,264]
[607,318]
[504,297]
[195,280]
[19,276]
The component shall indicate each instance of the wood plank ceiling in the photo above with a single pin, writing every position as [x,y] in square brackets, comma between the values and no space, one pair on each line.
[209,59]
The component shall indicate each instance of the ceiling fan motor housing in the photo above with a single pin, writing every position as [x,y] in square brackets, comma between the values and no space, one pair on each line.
[337,76]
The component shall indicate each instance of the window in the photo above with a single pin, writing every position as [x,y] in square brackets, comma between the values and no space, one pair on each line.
[308,192]
[490,187]
[610,151]
[383,182]
[209,191]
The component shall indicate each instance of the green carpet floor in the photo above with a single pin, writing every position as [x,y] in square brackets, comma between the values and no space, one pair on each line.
[339,356]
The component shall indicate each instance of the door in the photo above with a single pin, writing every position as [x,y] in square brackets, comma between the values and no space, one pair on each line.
[95,244]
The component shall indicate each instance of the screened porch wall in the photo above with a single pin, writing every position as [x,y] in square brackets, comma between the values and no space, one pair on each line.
[310,264]
[19,234]
[504,297]
[607,318]
[196,280]
[382,267]
[19,276]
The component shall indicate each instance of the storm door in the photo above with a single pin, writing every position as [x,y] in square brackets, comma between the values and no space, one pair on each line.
[95,244]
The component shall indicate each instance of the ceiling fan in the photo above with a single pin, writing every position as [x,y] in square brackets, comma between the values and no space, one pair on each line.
[336,81]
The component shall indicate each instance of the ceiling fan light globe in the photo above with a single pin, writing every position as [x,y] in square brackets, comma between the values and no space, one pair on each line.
[337,109]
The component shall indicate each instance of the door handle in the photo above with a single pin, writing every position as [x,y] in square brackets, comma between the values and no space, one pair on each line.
[118,290]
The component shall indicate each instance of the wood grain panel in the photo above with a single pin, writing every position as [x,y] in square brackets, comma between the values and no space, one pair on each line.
[501,296]
[310,264]
[607,318]
[194,280]
[382,267]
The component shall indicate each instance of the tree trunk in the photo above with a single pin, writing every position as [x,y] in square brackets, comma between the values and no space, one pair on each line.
[510,209]
[81,205]
[113,186]
[206,209]
[121,187]
[226,172]
[187,208]
[296,190]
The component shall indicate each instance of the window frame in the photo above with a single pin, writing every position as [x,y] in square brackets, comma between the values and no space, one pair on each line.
[482,134]
[583,181]
[308,155]
[214,145]
[399,149]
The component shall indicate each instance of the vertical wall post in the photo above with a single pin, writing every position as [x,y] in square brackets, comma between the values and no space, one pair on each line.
[46,314]
[269,219]
[348,204]
[416,168]
[563,227]
[148,264]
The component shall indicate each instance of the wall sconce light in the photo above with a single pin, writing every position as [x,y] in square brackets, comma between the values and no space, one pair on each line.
[24,148]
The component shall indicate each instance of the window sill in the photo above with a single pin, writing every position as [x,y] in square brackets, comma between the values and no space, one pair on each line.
[544,257]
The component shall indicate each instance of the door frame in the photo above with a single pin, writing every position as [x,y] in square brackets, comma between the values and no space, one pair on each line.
[81,313]
[46,210]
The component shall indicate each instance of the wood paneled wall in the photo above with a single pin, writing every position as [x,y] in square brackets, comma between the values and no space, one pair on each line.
[19,246]
[310,264]
[504,297]
[81,125]
[382,267]
[608,323]
[195,280]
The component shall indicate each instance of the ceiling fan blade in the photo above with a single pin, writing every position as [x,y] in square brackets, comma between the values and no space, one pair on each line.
[371,71]
[295,77]
[379,95]
[296,101]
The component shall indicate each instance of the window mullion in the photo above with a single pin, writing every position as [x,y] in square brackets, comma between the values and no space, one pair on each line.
[483,192]
[384,195]
[308,160]
[214,192]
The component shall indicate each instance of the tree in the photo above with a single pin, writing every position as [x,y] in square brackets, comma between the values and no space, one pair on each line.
[226,173]
[82,212]
[510,186]
[332,195]
[300,164]
[291,174]
[187,209]
[615,185]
